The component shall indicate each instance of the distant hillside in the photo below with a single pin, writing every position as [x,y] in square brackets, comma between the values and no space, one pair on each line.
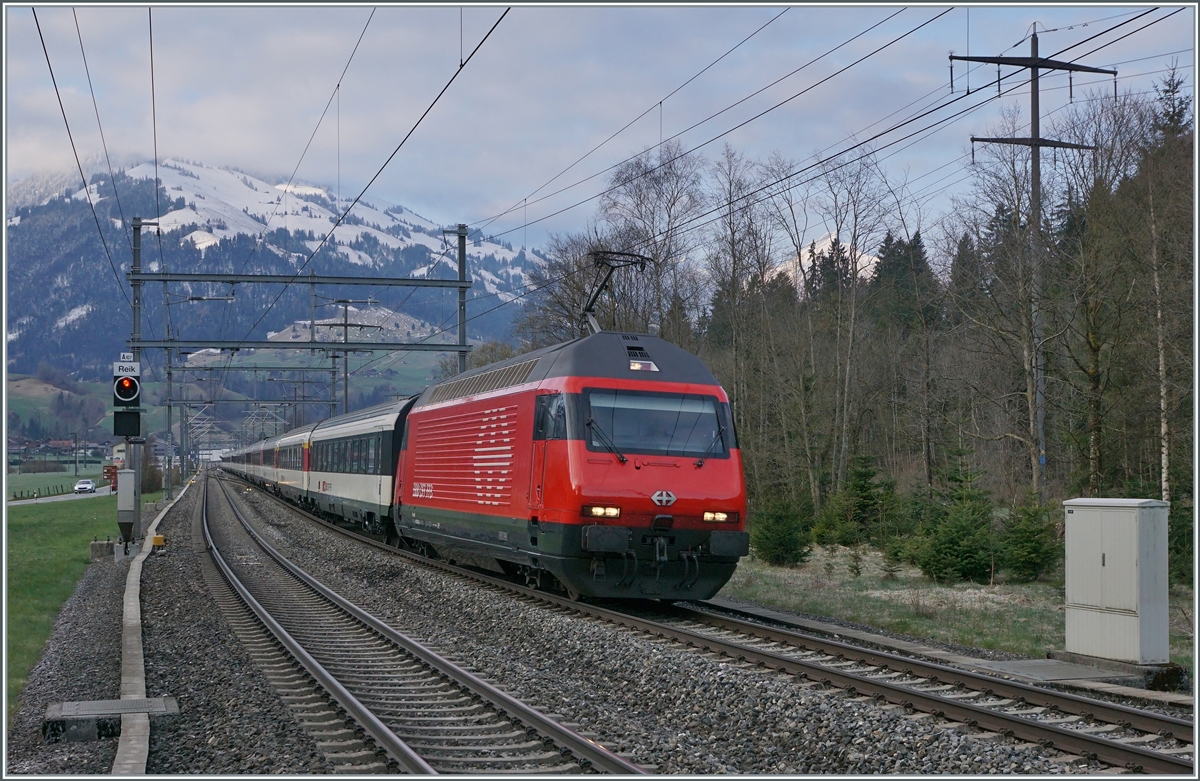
[67,305]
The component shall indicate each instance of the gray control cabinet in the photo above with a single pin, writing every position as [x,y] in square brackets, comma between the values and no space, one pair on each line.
[1116,579]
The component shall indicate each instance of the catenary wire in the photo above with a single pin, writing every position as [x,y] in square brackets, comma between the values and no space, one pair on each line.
[87,193]
[943,123]
[378,173]
[103,142]
[728,108]
[220,377]
[162,263]
[553,281]
[524,201]
[881,133]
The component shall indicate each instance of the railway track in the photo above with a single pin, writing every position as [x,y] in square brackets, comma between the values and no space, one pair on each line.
[421,710]
[1115,735]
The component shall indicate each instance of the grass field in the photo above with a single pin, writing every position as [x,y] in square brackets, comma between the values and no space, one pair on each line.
[48,550]
[1024,618]
[40,482]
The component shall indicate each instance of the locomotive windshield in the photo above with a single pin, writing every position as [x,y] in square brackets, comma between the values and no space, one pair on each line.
[668,424]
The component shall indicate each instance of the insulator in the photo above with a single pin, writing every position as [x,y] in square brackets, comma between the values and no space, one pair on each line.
[951,77]
[1071,86]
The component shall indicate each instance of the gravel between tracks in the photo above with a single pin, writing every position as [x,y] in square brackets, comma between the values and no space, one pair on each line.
[668,707]
[231,719]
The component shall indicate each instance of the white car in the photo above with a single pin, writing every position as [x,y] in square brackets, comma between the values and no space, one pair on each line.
[85,487]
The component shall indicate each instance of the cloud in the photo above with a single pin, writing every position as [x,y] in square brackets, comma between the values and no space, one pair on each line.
[245,86]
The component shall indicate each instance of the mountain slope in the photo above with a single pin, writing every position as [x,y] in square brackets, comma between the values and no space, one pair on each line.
[69,305]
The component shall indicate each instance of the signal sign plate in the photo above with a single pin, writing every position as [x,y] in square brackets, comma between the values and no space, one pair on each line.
[127,369]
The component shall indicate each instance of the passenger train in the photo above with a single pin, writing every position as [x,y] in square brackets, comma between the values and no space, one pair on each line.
[607,466]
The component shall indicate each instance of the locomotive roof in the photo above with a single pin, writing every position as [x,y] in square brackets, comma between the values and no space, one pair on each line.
[606,354]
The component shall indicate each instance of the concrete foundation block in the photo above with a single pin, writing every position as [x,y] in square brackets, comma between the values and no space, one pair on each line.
[78,721]
[102,549]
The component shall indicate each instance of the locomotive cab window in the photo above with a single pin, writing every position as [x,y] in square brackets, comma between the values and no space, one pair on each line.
[550,417]
[668,424]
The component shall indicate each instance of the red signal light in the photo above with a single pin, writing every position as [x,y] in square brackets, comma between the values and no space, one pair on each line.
[126,391]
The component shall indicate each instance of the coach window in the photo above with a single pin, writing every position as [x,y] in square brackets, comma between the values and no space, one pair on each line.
[371,456]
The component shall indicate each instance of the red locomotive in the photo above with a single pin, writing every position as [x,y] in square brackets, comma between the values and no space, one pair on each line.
[609,462]
[607,465]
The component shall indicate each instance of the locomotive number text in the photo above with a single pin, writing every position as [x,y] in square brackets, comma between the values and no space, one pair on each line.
[422,490]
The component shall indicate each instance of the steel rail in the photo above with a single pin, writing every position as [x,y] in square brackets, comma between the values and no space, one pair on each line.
[1144,721]
[1110,752]
[396,748]
[1048,735]
[586,749]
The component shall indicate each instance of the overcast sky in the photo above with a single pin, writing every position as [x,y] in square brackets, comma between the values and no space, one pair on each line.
[245,87]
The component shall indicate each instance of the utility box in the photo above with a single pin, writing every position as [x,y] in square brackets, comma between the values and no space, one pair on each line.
[1116,579]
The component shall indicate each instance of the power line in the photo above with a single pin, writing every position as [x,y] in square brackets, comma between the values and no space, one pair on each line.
[87,193]
[103,143]
[912,197]
[358,197]
[943,122]
[741,124]
[684,227]
[524,201]
[286,188]
[722,111]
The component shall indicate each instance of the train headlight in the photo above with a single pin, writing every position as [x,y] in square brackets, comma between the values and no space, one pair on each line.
[719,517]
[601,511]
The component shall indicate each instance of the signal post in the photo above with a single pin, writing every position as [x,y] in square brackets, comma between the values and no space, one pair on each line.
[127,423]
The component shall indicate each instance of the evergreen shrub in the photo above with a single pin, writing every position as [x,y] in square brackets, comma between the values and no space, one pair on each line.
[959,545]
[781,532]
[1180,547]
[1028,544]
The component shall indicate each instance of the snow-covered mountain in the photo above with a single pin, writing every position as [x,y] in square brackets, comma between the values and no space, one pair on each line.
[221,204]
[68,296]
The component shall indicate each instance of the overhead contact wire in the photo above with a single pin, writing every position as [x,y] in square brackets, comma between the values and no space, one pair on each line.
[396,151]
[87,194]
[103,142]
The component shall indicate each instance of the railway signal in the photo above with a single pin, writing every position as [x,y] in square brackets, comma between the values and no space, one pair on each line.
[127,391]
[127,397]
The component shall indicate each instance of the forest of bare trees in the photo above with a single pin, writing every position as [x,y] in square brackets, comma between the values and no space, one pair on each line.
[882,361]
